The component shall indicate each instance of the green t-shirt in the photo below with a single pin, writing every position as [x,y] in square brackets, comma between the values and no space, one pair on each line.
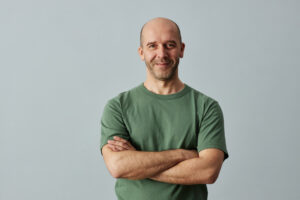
[187,119]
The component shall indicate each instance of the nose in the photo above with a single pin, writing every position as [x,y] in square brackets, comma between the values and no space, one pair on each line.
[161,52]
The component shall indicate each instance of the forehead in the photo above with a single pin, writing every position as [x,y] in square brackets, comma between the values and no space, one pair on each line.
[160,32]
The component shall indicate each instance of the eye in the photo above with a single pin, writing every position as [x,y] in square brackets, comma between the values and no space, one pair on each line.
[151,46]
[171,45]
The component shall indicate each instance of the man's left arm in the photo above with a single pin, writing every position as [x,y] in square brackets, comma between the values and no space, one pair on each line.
[212,150]
[202,170]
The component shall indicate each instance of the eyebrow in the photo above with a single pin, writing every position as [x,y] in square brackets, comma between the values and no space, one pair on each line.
[171,41]
[149,43]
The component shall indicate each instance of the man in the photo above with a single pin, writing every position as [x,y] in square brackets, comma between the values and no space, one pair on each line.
[162,139]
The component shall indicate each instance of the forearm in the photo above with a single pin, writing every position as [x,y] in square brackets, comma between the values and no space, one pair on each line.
[139,164]
[192,171]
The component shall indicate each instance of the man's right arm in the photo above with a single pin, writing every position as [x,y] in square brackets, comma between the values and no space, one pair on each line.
[132,164]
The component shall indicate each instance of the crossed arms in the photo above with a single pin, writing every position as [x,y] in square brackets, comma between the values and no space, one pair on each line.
[178,166]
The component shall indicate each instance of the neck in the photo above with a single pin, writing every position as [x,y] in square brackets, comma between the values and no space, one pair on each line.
[164,87]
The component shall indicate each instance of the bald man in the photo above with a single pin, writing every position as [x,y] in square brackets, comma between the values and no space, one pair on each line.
[162,139]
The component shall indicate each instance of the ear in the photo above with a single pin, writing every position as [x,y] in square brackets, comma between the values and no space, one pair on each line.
[182,50]
[141,53]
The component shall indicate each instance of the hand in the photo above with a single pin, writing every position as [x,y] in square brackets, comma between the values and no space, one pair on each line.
[120,144]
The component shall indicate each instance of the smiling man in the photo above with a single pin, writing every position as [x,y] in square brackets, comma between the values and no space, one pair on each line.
[160,48]
[162,139]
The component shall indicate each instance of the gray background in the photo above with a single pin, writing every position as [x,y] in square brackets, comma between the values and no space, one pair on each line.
[61,60]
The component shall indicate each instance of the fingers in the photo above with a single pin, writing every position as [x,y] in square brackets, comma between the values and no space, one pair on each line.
[120,144]
[120,139]
[125,141]
[116,148]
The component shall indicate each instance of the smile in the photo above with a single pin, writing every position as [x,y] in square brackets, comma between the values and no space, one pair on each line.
[162,63]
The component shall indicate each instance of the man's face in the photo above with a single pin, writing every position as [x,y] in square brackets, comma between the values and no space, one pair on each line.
[161,50]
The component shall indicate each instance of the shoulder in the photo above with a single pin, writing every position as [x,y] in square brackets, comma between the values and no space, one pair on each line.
[204,101]
[118,101]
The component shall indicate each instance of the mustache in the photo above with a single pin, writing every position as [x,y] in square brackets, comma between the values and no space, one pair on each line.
[164,61]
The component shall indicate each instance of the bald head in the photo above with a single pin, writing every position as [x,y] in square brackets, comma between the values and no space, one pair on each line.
[157,22]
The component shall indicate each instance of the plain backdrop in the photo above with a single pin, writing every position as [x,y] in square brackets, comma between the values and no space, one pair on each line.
[62,60]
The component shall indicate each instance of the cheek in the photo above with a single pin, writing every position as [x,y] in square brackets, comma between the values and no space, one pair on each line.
[149,57]
[176,54]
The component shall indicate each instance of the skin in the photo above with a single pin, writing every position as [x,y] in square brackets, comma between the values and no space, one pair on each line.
[125,162]
[202,168]
[161,49]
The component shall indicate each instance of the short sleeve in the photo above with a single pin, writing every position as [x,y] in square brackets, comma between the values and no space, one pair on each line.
[112,123]
[211,133]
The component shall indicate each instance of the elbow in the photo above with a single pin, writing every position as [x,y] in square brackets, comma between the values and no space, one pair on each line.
[205,177]
[113,166]
[114,169]
[120,172]
[113,162]
[212,177]
[115,174]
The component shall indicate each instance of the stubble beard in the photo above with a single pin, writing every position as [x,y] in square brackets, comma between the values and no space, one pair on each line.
[159,74]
